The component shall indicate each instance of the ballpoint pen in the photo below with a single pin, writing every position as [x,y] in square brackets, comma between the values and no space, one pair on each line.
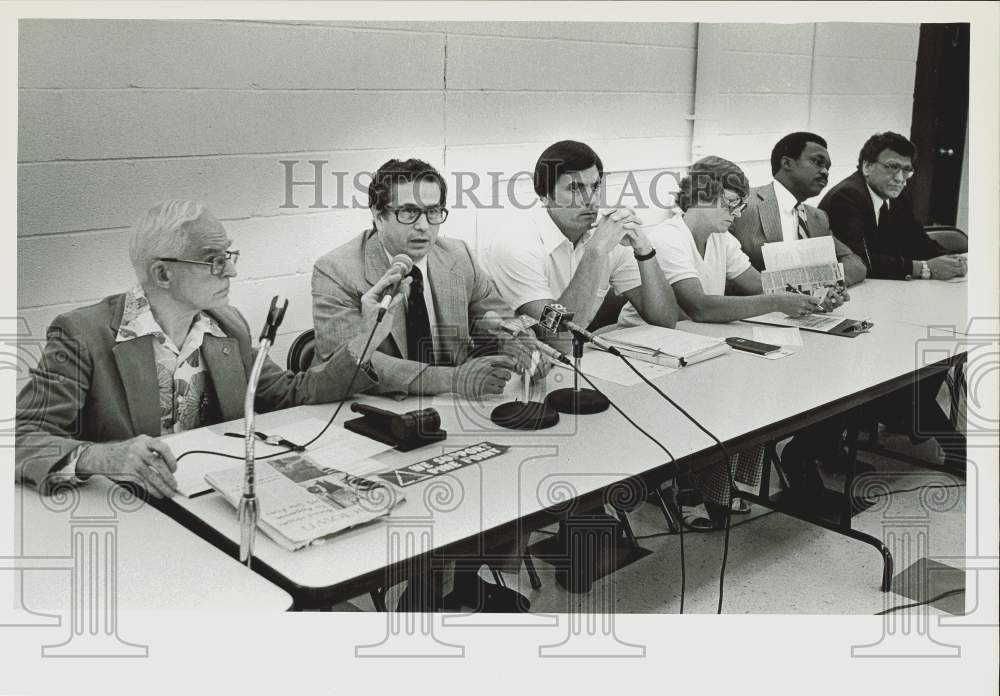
[272,440]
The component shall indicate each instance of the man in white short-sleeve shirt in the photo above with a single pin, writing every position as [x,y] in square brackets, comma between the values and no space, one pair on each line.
[565,252]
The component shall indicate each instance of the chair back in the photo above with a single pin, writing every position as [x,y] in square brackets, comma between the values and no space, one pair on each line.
[302,350]
[954,240]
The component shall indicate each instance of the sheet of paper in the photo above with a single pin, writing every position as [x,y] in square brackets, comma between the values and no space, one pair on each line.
[338,447]
[779,256]
[778,335]
[600,365]
[817,322]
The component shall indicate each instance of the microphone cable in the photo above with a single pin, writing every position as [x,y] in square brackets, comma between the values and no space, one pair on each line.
[680,525]
[729,473]
[336,412]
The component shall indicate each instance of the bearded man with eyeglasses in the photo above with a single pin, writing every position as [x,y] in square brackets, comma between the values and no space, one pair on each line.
[168,355]
[872,212]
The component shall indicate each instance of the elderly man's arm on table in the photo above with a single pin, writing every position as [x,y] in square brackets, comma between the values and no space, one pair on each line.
[49,450]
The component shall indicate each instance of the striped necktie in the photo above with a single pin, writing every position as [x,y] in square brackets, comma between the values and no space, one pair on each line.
[800,214]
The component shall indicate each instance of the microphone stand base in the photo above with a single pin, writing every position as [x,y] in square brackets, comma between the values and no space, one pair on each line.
[520,415]
[580,401]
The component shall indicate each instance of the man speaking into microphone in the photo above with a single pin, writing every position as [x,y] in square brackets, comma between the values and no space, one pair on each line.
[451,306]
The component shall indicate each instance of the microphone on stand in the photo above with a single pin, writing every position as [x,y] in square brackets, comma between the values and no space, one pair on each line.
[405,264]
[526,414]
[555,317]
[522,326]
[248,512]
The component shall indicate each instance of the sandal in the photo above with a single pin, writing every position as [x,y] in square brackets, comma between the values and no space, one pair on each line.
[738,506]
[695,522]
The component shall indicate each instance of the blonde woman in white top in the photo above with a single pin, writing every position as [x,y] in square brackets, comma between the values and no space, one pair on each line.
[699,258]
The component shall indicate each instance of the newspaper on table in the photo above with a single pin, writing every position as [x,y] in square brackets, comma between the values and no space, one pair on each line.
[809,280]
[302,502]
[804,266]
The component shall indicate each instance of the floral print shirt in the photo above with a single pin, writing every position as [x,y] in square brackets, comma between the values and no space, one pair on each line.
[180,372]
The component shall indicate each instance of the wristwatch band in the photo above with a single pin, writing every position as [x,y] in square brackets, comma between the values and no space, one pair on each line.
[645,257]
[925,270]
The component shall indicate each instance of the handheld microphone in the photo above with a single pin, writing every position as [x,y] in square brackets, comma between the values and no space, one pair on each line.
[557,318]
[275,315]
[405,264]
[521,326]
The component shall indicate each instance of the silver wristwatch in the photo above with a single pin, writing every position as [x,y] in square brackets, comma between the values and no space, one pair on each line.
[925,270]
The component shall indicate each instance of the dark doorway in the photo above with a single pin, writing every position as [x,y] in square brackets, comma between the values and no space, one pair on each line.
[940,117]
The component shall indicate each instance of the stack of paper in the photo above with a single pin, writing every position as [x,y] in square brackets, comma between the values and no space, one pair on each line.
[661,346]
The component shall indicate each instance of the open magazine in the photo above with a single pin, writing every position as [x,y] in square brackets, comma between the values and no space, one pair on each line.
[302,503]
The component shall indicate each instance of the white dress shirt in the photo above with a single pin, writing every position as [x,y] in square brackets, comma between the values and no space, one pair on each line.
[787,211]
[877,202]
[428,294]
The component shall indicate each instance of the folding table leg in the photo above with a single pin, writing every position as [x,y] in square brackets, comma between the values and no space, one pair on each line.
[529,565]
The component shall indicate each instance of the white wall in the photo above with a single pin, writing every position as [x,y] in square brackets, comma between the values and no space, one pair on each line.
[115,115]
[757,82]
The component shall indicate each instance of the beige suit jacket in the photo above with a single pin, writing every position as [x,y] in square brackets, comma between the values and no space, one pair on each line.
[462,292]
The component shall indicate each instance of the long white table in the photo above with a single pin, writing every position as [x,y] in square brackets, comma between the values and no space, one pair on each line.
[926,303]
[742,398]
[99,545]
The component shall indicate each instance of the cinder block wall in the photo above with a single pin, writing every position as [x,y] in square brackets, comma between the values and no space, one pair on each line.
[115,115]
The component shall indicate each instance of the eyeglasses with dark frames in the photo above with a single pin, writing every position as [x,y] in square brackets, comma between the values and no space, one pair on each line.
[895,168]
[218,263]
[409,214]
[735,205]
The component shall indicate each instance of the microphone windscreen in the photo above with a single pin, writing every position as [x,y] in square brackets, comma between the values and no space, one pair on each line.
[405,263]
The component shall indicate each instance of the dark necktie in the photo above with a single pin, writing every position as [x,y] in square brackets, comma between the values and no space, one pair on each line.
[419,343]
[800,214]
[883,218]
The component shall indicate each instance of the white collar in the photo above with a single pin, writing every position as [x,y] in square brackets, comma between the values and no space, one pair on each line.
[786,201]
[551,235]
[421,263]
[877,200]
[138,320]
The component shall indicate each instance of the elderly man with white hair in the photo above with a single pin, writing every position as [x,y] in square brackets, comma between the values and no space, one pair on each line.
[168,355]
